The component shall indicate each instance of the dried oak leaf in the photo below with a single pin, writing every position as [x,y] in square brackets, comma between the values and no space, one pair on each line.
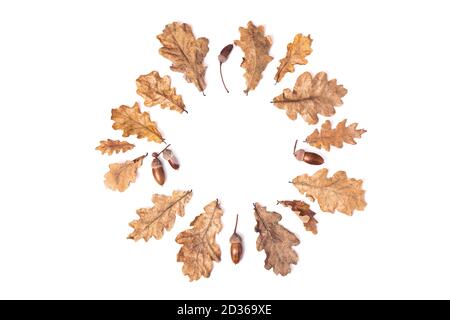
[120,175]
[310,97]
[296,54]
[199,248]
[185,52]
[256,47]
[110,146]
[152,221]
[335,193]
[275,240]
[334,137]
[132,121]
[302,210]
[156,90]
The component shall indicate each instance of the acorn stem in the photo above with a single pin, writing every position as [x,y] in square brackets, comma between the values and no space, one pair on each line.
[157,155]
[221,77]
[235,226]
[295,146]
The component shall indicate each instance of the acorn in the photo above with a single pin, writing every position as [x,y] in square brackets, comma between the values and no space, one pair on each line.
[158,170]
[236,245]
[170,157]
[306,156]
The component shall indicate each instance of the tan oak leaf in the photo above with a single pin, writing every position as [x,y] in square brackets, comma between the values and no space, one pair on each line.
[199,248]
[302,210]
[156,90]
[110,146]
[310,97]
[186,53]
[256,46]
[275,240]
[336,193]
[334,137]
[134,122]
[120,175]
[296,54]
[153,221]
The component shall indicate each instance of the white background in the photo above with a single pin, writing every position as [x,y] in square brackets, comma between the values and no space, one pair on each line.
[65,64]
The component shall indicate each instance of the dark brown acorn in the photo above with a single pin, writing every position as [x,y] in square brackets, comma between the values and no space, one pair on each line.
[157,167]
[308,157]
[223,56]
[170,157]
[236,245]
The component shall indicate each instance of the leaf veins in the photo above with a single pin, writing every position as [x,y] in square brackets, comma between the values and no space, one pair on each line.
[120,175]
[156,90]
[199,248]
[134,122]
[310,97]
[302,210]
[186,53]
[153,221]
[110,146]
[296,54]
[275,240]
[256,46]
[334,137]
[336,193]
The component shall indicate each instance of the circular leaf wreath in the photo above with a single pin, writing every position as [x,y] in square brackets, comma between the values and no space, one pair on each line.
[310,97]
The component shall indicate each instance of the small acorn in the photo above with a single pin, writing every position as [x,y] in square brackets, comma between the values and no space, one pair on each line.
[223,57]
[158,170]
[308,157]
[170,157]
[236,245]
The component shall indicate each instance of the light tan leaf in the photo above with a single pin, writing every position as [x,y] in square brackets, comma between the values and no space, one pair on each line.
[335,193]
[296,54]
[156,90]
[302,210]
[152,221]
[110,146]
[199,248]
[185,52]
[310,97]
[134,122]
[256,47]
[120,175]
[334,137]
[275,240]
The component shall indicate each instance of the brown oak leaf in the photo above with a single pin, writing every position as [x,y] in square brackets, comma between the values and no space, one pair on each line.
[110,146]
[185,52]
[152,221]
[199,248]
[334,137]
[275,240]
[335,193]
[296,54]
[310,97]
[120,175]
[256,47]
[302,210]
[134,122]
[156,90]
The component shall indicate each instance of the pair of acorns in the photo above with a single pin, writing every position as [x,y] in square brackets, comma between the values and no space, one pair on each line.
[157,167]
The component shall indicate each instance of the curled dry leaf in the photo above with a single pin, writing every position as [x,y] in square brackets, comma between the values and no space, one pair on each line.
[156,90]
[302,210]
[120,175]
[152,221]
[185,52]
[134,122]
[310,97]
[110,146]
[296,54]
[275,240]
[335,193]
[256,47]
[199,248]
[334,137]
